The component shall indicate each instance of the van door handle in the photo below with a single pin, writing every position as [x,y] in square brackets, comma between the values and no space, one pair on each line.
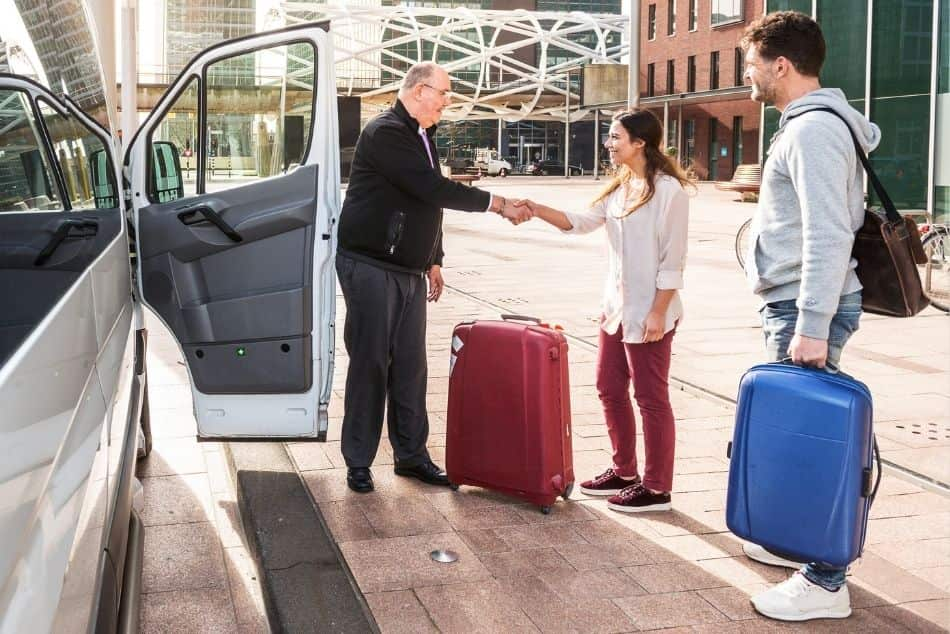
[191,215]
[72,228]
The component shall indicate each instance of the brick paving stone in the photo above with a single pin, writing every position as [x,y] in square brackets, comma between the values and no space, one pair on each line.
[673,577]
[346,521]
[474,607]
[182,557]
[400,563]
[203,610]
[522,563]
[400,612]
[655,611]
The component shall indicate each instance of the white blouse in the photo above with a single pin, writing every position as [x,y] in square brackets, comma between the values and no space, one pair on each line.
[646,252]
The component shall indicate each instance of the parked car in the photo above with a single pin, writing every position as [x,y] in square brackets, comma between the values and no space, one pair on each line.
[488,161]
[551,168]
[238,267]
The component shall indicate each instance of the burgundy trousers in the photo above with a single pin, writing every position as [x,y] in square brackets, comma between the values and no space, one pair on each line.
[648,366]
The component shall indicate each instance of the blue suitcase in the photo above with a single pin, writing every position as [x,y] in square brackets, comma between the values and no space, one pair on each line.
[801,463]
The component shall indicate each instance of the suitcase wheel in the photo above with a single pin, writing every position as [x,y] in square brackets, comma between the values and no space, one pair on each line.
[546,510]
[453,486]
[567,491]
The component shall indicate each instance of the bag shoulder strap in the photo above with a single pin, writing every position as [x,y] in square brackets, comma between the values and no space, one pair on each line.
[889,209]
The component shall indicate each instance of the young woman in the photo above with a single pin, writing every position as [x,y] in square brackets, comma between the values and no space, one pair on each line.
[645,210]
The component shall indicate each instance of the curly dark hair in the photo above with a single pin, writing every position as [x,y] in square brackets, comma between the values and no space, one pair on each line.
[791,35]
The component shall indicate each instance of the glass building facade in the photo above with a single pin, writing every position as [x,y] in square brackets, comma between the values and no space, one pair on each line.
[886,57]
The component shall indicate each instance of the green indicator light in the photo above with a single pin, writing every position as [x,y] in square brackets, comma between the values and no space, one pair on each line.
[241,352]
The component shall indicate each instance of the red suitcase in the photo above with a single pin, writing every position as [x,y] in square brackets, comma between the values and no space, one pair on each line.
[509,410]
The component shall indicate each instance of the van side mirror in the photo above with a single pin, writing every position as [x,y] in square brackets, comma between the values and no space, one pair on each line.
[103,180]
[166,182]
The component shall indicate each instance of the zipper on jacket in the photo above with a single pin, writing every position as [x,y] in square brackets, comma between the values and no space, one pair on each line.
[396,226]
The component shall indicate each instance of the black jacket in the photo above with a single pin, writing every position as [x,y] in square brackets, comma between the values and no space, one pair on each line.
[392,215]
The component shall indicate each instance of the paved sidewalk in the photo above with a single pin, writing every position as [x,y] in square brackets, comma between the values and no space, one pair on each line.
[584,568]
[197,574]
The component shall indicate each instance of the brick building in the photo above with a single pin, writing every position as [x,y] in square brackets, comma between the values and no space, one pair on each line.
[691,77]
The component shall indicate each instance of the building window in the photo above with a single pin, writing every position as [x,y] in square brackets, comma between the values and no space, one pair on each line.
[739,63]
[736,142]
[691,74]
[670,77]
[651,77]
[714,70]
[651,22]
[725,12]
[693,15]
[671,14]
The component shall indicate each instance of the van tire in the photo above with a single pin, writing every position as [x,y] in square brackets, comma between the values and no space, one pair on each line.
[503,172]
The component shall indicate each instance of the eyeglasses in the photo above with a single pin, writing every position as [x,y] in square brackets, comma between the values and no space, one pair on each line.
[442,93]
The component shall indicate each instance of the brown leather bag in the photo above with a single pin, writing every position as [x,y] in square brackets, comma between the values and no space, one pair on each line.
[888,250]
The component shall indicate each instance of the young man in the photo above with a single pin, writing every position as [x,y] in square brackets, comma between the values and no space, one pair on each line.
[811,204]
[390,242]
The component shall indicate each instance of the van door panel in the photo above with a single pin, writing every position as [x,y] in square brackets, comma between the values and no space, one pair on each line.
[242,274]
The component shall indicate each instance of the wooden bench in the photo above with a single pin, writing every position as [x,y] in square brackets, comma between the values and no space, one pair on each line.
[746,179]
[466,179]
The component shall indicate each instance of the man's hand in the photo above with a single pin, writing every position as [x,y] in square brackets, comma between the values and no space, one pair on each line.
[517,211]
[436,284]
[807,351]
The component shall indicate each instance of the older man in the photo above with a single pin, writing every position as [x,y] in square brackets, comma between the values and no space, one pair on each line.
[390,241]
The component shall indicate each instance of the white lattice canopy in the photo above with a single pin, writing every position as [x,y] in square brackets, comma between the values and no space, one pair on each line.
[512,65]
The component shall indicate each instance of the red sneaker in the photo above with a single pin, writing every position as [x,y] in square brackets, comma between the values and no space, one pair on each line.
[607,483]
[639,499]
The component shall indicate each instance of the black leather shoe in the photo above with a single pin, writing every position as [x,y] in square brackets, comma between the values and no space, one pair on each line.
[428,472]
[360,479]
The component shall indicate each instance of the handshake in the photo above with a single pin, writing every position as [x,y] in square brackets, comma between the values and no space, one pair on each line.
[515,211]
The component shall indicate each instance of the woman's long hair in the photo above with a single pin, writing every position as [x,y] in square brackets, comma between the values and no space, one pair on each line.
[644,125]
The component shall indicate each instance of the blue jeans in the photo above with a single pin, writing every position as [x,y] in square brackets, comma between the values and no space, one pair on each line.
[778,325]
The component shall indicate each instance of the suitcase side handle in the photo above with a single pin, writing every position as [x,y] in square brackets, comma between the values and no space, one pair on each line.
[868,491]
[521,318]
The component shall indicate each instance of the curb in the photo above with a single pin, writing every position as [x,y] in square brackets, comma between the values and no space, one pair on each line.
[306,583]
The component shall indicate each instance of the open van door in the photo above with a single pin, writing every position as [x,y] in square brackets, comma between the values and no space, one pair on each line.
[235,192]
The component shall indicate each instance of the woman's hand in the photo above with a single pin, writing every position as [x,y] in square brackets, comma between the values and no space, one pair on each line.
[436,284]
[654,326]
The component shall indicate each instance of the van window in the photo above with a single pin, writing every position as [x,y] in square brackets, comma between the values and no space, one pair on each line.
[26,180]
[178,128]
[260,106]
[76,148]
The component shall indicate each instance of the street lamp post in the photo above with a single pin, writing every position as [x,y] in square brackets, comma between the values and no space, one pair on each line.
[567,126]
[633,71]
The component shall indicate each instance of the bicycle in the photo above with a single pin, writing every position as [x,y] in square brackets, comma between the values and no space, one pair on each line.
[742,242]
[935,273]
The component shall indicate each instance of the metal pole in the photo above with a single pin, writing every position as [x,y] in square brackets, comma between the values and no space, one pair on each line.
[633,79]
[567,126]
[129,72]
[596,144]
[666,122]
[679,135]
[500,126]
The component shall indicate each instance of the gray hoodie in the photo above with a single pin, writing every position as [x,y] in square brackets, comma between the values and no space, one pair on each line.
[811,203]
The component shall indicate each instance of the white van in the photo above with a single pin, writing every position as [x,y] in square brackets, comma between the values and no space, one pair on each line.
[233,253]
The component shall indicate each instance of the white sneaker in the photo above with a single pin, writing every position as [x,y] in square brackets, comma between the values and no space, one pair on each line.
[798,599]
[759,554]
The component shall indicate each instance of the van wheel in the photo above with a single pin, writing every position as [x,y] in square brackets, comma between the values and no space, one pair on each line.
[145,422]
[503,172]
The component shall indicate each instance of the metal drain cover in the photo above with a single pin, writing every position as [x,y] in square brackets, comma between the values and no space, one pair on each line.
[444,556]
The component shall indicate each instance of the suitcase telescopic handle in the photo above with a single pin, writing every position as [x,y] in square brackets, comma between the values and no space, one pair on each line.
[521,318]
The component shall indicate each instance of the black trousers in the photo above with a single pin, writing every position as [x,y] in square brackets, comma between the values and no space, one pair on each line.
[385,338]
